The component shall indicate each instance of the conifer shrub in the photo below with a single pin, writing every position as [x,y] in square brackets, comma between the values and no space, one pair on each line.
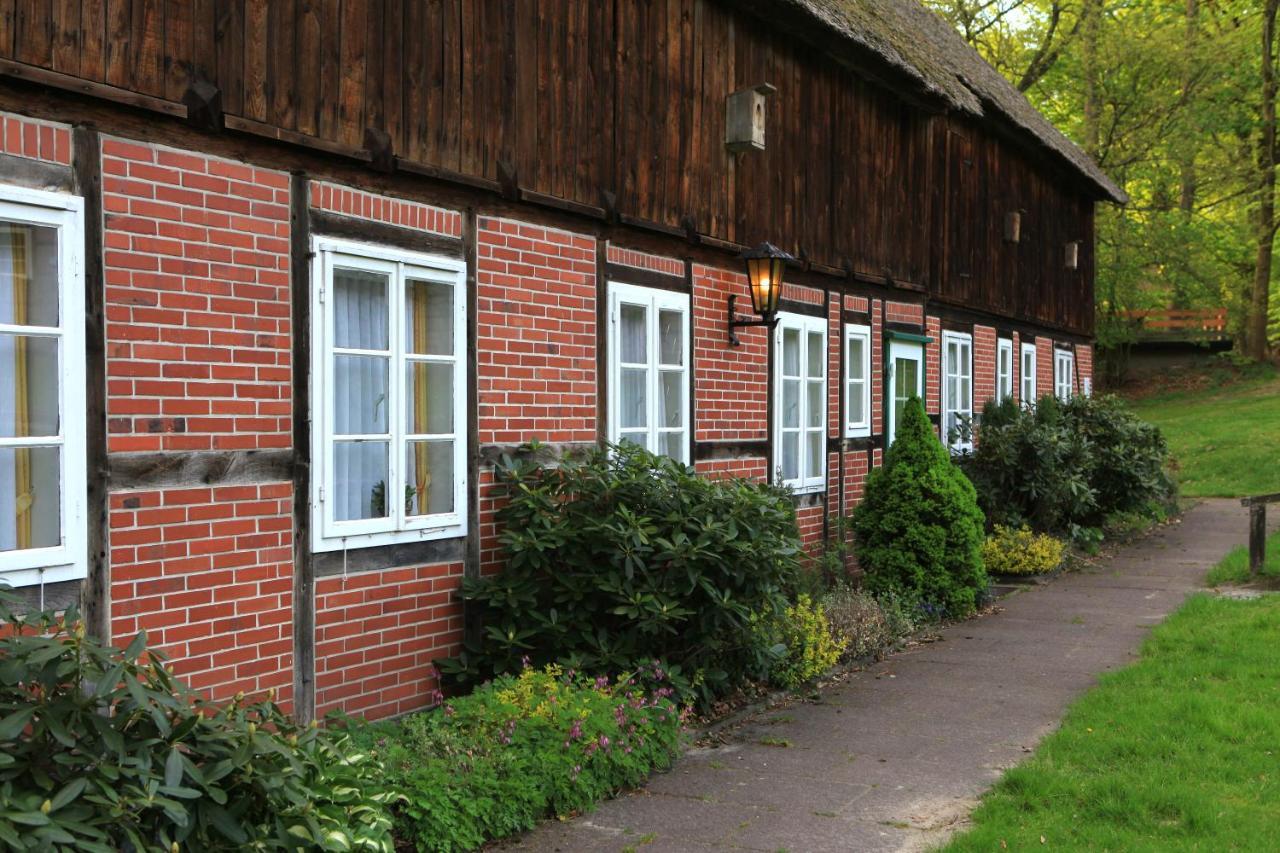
[918,529]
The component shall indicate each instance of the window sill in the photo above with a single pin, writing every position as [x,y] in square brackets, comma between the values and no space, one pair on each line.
[451,530]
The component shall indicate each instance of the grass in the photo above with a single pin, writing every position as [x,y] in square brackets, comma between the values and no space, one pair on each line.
[1180,751]
[1234,567]
[1224,440]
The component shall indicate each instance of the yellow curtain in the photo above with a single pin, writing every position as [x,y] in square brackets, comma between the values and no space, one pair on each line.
[422,466]
[22,414]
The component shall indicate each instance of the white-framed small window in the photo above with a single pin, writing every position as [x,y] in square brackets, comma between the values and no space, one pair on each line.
[1027,389]
[1064,367]
[43,468]
[1004,369]
[648,381]
[957,389]
[390,395]
[857,380]
[800,402]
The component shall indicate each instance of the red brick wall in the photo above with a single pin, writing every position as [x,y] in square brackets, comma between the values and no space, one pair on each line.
[1084,366]
[877,369]
[730,383]
[536,315]
[933,367]
[643,260]
[349,201]
[35,139]
[752,468]
[208,574]
[377,634]
[196,259]
[984,366]
[1044,366]
[1017,367]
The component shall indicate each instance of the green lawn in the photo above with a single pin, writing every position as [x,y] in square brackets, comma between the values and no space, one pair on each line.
[1226,442]
[1180,751]
[1234,567]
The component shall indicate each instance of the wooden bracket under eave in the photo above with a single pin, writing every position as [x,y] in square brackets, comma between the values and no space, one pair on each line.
[381,149]
[203,101]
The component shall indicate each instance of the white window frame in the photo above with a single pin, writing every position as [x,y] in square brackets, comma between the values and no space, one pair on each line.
[1064,368]
[852,428]
[1004,369]
[953,371]
[653,300]
[396,528]
[808,481]
[1027,378]
[69,560]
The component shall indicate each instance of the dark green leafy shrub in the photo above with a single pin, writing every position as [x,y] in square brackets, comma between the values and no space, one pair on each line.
[919,530]
[623,556]
[103,749]
[1060,466]
[521,748]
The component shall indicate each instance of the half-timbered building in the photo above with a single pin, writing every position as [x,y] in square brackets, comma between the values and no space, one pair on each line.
[279,281]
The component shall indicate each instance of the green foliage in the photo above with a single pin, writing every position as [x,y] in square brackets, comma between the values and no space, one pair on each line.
[1063,467]
[868,627]
[918,527]
[1021,551]
[806,647]
[523,747]
[623,556]
[103,749]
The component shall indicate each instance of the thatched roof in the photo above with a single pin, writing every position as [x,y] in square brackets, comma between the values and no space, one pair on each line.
[908,46]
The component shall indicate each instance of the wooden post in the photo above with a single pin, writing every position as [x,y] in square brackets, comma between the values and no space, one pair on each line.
[1257,537]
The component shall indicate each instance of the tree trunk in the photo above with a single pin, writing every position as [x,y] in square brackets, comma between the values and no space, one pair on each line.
[1256,324]
[1187,164]
[1090,22]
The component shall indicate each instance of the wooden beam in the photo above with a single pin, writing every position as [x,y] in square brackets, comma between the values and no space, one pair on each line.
[199,468]
[69,83]
[304,587]
[291,137]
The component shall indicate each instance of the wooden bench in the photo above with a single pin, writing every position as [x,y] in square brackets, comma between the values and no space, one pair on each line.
[1258,529]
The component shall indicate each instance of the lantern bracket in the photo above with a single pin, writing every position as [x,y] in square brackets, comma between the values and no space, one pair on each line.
[735,323]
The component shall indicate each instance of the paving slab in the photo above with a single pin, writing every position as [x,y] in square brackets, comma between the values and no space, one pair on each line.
[896,757]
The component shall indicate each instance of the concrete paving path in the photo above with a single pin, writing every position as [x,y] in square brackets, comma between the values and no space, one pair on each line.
[896,757]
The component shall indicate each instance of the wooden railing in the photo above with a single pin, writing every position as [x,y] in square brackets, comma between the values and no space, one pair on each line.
[1180,323]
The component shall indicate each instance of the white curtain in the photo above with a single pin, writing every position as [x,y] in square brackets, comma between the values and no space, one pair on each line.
[360,404]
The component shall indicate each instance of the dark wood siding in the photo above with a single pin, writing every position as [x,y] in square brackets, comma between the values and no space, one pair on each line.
[583,97]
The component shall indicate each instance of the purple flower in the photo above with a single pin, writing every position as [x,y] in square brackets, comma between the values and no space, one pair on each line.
[575,731]
[602,682]
[604,741]
[525,662]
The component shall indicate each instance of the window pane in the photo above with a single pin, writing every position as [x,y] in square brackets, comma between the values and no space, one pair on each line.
[857,407]
[638,438]
[814,465]
[790,455]
[29,380]
[428,317]
[29,281]
[360,394]
[671,336]
[814,415]
[428,406]
[359,309]
[673,445]
[791,352]
[633,398]
[634,334]
[965,395]
[791,402]
[815,354]
[428,477]
[671,403]
[30,498]
[906,373]
[359,480]
[855,355]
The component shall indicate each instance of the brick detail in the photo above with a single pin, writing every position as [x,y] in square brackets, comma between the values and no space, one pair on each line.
[1044,366]
[208,574]
[642,260]
[730,383]
[536,315]
[1017,367]
[835,371]
[336,198]
[1084,368]
[196,257]
[933,367]
[984,366]
[809,520]
[857,303]
[747,468]
[901,312]
[377,634]
[800,293]
[35,139]
[856,468]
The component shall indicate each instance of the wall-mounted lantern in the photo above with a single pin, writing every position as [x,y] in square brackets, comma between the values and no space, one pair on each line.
[1071,258]
[1013,226]
[766,265]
